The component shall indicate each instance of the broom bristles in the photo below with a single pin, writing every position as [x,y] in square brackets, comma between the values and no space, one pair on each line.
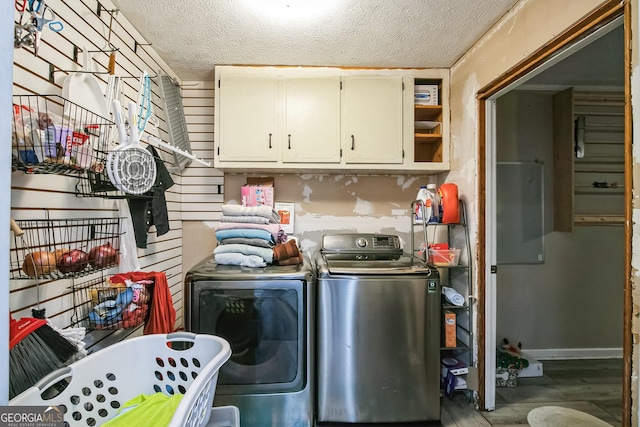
[39,350]
[29,361]
[59,345]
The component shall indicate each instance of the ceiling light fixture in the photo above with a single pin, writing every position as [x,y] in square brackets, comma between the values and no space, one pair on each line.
[290,10]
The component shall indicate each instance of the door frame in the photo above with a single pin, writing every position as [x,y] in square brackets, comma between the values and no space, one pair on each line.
[486,244]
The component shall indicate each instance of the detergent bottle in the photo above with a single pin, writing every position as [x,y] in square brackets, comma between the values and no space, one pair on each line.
[449,206]
[432,204]
[423,196]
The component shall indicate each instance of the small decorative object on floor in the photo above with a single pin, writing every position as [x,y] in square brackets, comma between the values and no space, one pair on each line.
[509,362]
[557,416]
[506,377]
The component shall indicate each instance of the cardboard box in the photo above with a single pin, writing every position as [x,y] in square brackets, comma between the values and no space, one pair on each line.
[258,192]
[426,94]
[457,371]
[458,368]
[533,370]
[449,325]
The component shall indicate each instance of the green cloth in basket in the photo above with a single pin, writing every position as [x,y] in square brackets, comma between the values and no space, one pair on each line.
[146,410]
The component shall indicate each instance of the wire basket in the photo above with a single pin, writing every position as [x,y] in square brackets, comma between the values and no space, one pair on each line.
[60,248]
[54,135]
[97,306]
[97,184]
[92,390]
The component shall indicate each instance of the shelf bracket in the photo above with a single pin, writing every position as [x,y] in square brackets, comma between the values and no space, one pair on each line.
[136,44]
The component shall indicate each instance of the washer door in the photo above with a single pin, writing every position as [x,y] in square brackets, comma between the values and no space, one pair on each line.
[265,328]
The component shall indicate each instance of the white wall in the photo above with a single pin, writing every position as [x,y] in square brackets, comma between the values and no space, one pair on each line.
[549,307]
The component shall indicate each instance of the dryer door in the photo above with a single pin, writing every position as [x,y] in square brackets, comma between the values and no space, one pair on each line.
[264,323]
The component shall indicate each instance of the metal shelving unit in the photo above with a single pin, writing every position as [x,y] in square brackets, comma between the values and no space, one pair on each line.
[458,276]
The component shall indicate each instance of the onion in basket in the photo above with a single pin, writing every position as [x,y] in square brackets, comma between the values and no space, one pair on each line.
[39,263]
[73,261]
[103,256]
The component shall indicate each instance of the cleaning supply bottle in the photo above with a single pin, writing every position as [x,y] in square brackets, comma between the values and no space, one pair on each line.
[423,196]
[432,204]
[449,206]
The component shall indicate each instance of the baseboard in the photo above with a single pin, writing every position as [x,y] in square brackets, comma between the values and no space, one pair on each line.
[575,353]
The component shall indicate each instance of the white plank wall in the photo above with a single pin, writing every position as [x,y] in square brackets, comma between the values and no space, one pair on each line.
[603,160]
[35,196]
[202,187]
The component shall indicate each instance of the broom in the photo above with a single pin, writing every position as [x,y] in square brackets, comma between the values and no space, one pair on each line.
[35,350]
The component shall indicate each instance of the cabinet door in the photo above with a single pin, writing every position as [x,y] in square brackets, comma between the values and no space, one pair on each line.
[312,120]
[248,119]
[372,119]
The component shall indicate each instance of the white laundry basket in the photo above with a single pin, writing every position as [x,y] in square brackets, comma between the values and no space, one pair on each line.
[99,384]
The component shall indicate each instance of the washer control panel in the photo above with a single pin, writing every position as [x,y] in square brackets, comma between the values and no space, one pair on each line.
[361,243]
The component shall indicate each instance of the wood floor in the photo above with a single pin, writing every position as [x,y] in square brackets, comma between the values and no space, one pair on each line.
[591,386]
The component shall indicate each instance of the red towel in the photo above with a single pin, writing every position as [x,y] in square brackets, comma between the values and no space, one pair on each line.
[162,314]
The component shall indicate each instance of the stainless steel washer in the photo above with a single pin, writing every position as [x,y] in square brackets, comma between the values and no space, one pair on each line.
[266,315]
[378,332]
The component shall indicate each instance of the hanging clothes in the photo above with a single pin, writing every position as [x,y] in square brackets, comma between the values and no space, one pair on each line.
[151,208]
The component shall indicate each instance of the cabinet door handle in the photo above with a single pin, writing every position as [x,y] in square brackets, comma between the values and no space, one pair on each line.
[289,141]
[269,141]
[353,142]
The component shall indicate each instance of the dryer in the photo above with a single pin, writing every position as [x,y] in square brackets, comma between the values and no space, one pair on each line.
[266,315]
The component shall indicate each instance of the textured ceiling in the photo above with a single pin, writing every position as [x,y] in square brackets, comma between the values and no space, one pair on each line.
[195,35]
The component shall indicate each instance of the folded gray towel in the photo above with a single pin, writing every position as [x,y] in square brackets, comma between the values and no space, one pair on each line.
[261,211]
[249,219]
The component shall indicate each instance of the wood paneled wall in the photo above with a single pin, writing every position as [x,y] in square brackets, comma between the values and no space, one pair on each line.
[86,23]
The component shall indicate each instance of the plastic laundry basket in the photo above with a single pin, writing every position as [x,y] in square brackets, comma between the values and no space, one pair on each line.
[99,384]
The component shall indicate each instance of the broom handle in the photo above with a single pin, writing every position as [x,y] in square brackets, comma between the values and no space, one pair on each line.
[16,228]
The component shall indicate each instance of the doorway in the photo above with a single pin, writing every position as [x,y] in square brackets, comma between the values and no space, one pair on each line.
[565,44]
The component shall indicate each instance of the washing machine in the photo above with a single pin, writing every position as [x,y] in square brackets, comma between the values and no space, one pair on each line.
[266,314]
[378,333]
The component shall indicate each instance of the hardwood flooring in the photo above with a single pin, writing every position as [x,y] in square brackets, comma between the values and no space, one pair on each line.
[593,386]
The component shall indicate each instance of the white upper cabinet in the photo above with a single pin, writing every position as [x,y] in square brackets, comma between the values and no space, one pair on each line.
[247,118]
[372,126]
[311,120]
[292,119]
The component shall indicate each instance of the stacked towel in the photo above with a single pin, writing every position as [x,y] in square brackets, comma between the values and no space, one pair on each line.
[247,235]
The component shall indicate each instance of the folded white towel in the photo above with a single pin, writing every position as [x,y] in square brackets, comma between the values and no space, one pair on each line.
[240,259]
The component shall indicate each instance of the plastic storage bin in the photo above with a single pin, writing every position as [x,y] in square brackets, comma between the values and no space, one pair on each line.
[99,384]
[444,257]
[224,416]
